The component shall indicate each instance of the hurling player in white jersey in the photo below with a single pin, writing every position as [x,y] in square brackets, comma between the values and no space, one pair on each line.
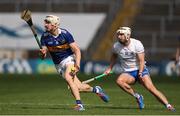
[66,56]
[130,53]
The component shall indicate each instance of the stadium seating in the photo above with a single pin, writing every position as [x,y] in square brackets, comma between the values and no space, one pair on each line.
[157,25]
[123,16]
[55,5]
[58,6]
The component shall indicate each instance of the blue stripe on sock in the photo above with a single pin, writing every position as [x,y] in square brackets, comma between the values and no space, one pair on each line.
[78,102]
[94,90]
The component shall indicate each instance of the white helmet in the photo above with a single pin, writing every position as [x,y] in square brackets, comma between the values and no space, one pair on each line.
[125,30]
[54,20]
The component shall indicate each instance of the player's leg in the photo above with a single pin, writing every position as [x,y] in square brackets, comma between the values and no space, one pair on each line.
[70,81]
[124,81]
[87,88]
[147,82]
[64,69]
[82,87]
[74,88]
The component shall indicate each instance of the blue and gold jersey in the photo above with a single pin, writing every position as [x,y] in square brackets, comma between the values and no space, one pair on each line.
[58,46]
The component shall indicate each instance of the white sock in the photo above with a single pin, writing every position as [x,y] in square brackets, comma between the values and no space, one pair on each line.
[95,89]
[168,105]
[136,95]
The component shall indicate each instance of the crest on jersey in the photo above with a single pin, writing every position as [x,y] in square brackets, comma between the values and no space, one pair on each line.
[62,41]
[57,42]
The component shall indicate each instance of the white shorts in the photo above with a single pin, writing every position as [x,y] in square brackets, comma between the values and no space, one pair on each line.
[61,67]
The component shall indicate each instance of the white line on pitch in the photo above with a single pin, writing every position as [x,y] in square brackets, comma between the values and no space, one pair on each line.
[100,105]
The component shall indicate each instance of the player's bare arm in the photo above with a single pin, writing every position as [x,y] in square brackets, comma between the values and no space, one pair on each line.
[112,62]
[141,63]
[77,53]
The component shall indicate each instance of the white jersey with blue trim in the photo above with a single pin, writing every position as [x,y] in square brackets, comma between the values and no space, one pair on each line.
[127,55]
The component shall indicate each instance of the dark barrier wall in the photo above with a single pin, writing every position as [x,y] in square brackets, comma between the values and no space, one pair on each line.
[20,66]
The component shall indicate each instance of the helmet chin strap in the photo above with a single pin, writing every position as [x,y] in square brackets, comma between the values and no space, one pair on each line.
[126,36]
[127,40]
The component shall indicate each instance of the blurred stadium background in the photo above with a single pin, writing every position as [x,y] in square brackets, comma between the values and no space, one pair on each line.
[93,24]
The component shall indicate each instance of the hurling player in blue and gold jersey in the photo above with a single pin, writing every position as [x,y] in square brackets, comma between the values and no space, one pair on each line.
[66,56]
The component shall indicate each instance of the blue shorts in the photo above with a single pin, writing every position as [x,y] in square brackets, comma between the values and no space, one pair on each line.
[135,73]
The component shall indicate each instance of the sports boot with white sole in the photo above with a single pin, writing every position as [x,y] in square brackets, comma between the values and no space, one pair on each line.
[170,108]
[101,94]
[79,107]
[140,101]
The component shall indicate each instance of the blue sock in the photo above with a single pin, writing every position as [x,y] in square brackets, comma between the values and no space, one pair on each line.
[78,102]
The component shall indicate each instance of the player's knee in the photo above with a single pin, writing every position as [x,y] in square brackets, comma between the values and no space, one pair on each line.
[68,79]
[120,81]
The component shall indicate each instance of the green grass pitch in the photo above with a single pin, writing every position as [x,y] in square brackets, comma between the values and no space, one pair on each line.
[48,94]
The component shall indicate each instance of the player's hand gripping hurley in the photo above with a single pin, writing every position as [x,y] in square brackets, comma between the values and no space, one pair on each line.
[97,77]
[26,16]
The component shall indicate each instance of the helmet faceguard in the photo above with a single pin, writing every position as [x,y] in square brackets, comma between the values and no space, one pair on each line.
[54,20]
